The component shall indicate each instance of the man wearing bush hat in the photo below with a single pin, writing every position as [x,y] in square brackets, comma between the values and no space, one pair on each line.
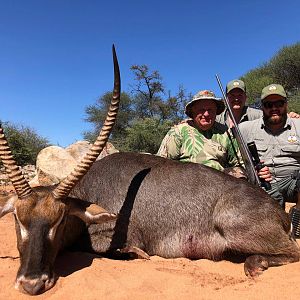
[277,138]
[200,139]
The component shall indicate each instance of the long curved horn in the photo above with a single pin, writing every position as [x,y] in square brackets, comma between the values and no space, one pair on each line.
[64,188]
[15,175]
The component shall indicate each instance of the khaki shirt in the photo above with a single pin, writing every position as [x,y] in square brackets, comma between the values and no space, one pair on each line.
[248,114]
[186,143]
[280,152]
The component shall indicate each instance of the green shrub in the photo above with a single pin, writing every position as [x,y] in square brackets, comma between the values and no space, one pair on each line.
[24,143]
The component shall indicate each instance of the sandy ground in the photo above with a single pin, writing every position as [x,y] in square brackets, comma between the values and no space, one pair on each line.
[86,276]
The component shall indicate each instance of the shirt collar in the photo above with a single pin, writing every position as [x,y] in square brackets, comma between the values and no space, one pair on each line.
[243,115]
[216,128]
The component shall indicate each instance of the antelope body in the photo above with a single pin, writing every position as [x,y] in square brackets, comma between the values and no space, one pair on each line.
[175,209]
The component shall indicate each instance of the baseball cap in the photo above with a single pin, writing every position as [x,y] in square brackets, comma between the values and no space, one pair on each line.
[235,84]
[273,89]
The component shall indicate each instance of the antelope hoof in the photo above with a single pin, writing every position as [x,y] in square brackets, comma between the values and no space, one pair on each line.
[255,265]
[135,252]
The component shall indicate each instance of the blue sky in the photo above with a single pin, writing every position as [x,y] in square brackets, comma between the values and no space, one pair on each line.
[55,56]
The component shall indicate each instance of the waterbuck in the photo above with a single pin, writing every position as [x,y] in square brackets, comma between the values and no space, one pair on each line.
[156,207]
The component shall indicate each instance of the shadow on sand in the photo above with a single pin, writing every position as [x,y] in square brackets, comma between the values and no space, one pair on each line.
[69,262]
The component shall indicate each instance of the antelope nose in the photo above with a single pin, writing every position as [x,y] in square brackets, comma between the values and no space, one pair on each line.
[34,287]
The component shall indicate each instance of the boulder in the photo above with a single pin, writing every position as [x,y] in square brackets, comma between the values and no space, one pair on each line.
[78,149]
[55,163]
[108,149]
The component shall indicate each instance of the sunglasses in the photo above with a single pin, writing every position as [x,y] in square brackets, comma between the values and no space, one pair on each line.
[277,104]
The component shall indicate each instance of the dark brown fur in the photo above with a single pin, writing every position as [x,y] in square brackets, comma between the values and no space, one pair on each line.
[175,209]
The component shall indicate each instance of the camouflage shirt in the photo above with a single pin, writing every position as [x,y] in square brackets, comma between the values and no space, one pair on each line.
[213,148]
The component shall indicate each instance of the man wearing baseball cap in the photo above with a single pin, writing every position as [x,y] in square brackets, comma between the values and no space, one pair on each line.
[236,94]
[200,139]
[277,138]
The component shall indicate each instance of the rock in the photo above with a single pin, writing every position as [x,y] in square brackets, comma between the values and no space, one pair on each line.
[55,163]
[108,149]
[78,149]
[28,171]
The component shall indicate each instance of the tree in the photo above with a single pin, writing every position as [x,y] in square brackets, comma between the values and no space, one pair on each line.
[282,68]
[148,96]
[24,143]
[294,101]
[144,118]
[177,104]
[145,135]
[96,114]
[147,92]
[255,80]
[285,67]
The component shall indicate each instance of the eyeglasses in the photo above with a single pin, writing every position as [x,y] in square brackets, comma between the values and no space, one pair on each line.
[277,104]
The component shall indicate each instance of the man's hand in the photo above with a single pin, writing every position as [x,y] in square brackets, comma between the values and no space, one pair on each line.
[265,174]
[293,115]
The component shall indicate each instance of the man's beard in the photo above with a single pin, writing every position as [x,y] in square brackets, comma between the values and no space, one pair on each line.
[275,119]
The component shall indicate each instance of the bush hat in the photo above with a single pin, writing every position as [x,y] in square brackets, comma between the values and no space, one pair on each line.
[273,89]
[235,84]
[205,95]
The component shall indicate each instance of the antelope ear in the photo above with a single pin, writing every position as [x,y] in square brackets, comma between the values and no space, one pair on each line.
[7,204]
[89,212]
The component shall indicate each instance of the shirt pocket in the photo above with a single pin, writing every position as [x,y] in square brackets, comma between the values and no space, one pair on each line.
[292,150]
[261,147]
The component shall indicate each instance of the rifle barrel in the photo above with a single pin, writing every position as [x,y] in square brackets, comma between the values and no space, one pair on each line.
[246,155]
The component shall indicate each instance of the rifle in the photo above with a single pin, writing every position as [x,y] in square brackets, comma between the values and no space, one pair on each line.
[246,155]
[258,164]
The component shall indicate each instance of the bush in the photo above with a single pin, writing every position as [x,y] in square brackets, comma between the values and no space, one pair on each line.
[145,135]
[24,143]
[294,101]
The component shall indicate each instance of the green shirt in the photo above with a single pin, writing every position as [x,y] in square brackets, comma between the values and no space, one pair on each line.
[213,148]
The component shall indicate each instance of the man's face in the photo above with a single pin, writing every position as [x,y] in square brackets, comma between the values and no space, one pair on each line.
[237,98]
[275,109]
[204,113]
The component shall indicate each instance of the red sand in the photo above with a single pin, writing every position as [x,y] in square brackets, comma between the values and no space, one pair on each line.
[86,276]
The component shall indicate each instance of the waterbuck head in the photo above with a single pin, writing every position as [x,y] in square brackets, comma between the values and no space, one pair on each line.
[41,213]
